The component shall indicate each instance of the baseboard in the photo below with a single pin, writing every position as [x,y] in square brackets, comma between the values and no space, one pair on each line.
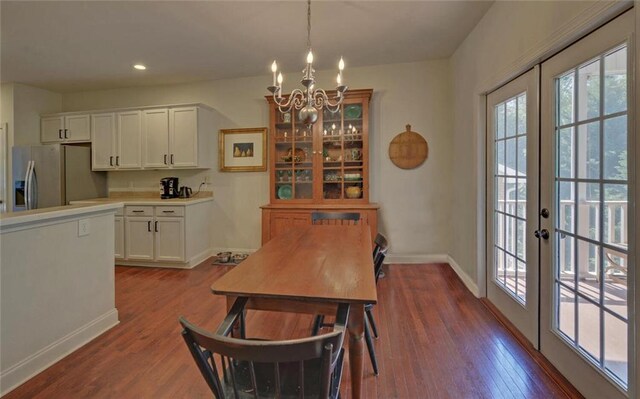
[201,257]
[468,281]
[17,374]
[415,258]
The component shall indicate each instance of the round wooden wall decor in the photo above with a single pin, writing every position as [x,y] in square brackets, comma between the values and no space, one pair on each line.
[408,150]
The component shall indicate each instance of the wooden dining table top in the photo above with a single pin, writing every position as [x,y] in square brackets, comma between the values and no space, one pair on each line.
[308,263]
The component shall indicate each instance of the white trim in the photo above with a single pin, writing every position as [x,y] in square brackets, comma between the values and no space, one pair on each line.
[466,279]
[415,258]
[17,374]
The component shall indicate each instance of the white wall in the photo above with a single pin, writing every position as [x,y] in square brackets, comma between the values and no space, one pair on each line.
[415,203]
[510,38]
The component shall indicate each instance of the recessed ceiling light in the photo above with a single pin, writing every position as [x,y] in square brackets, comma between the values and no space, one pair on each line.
[140,67]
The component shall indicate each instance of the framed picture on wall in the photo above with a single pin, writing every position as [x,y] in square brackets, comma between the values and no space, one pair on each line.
[243,150]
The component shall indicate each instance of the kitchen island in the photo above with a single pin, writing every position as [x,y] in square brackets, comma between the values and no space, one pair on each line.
[56,285]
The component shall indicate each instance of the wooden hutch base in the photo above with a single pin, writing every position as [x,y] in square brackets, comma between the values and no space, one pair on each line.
[277,218]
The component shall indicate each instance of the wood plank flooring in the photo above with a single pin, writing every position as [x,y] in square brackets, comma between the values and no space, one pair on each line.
[436,341]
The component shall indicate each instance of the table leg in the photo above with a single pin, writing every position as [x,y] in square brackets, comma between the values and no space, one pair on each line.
[356,348]
[238,330]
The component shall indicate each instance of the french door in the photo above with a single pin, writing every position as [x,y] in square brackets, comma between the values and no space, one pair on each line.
[512,205]
[586,262]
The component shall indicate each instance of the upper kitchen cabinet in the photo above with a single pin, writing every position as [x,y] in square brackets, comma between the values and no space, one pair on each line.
[73,128]
[177,137]
[116,140]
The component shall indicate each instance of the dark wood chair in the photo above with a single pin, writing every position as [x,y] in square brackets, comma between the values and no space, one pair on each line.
[370,323]
[344,218]
[379,242]
[244,368]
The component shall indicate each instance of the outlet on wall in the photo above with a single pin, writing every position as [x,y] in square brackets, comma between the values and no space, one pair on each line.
[83,227]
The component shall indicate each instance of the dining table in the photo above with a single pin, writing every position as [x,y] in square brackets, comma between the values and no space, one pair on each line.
[311,269]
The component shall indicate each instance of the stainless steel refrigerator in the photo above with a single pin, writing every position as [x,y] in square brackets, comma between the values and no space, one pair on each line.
[52,175]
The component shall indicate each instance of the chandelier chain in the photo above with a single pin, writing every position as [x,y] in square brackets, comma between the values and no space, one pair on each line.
[309,24]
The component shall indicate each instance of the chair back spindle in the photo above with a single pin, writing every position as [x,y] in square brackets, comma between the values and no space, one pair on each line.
[333,218]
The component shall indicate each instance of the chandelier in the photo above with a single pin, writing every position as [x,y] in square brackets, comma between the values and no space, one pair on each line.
[308,100]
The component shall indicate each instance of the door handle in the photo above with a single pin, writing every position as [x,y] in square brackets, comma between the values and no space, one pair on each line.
[165,159]
[544,212]
[149,226]
[60,134]
[111,161]
[544,234]
[155,227]
[117,160]
[171,159]
[65,133]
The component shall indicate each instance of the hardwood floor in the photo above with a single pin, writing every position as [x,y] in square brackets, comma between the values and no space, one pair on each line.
[436,341]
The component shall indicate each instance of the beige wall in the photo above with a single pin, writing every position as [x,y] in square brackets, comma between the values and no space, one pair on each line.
[415,204]
[511,37]
[20,108]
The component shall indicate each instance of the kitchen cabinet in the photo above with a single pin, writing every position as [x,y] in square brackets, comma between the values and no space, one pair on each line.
[169,239]
[155,133]
[175,137]
[323,168]
[153,234]
[139,239]
[116,140]
[65,128]
[151,137]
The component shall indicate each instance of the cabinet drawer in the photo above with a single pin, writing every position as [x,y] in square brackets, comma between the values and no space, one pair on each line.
[138,211]
[169,210]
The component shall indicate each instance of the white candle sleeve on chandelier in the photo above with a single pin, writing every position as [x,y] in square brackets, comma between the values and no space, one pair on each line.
[274,68]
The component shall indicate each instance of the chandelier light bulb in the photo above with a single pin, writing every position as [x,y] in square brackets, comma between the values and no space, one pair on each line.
[280,79]
[310,57]
[274,67]
[340,64]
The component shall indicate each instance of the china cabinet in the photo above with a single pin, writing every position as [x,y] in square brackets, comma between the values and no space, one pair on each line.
[322,167]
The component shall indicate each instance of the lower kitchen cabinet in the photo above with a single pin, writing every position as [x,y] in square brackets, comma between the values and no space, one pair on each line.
[139,238]
[164,235]
[169,238]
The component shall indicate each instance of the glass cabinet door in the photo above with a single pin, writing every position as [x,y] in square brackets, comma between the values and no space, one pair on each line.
[293,158]
[342,153]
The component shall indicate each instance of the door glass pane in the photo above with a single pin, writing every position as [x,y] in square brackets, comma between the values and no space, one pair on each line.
[589,91]
[510,193]
[615,81]
[589,151]
[591,213]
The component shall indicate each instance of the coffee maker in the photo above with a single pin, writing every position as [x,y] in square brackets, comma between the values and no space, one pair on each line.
[169,187]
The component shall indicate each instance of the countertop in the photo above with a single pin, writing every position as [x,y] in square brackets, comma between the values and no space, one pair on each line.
[44,215]
[145,201]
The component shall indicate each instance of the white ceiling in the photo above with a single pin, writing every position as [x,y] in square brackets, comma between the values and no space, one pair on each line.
[85,45]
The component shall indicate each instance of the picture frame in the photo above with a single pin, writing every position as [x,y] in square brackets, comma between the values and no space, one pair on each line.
[243,150]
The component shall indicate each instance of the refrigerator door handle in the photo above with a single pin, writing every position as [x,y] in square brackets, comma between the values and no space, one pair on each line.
[27,186]
[34,186]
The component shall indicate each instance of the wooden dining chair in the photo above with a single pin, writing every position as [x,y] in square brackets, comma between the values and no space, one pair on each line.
[341,218]
[243,368]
